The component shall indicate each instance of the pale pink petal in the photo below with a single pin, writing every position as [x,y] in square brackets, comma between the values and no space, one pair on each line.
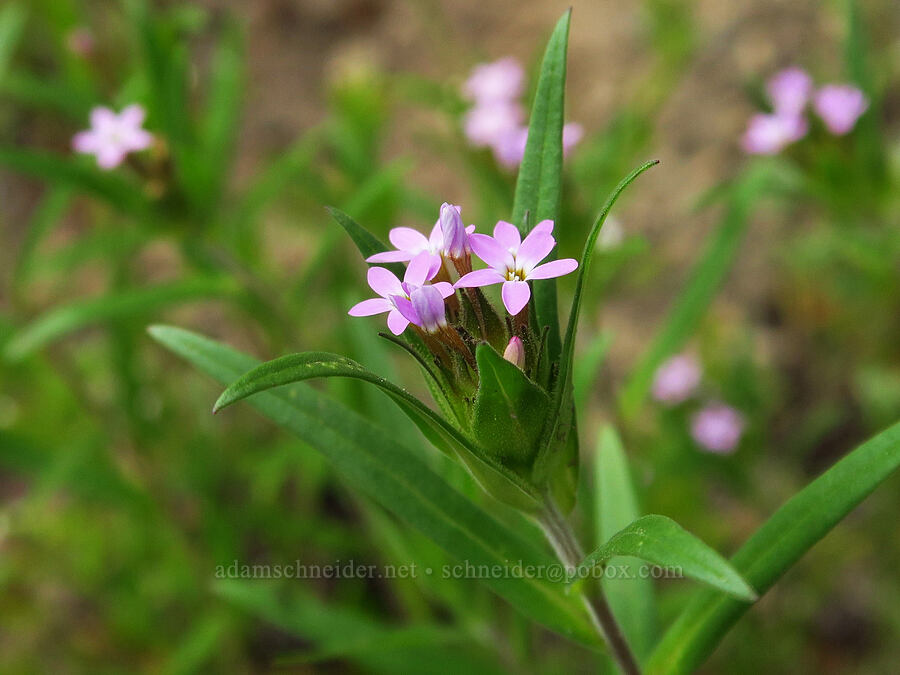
[422,268]
[470,229]
[445,288]
[491,251]
[109,157]
[396,322]
[508,236]
[132,116]
[390,257]
[102,118]
[383,282]
[137,139]
[572,134]
[436,238]
[555,268]
[408,239]
[85,141]
[515,295]
[543,227]
[370,307]
[480,278]
[430,309]
[535,248]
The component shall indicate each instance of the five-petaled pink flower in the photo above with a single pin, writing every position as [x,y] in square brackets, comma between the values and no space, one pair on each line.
[394,293]
[839,106]
[111,136]
[513,262]
[448,238]
[717,428]
[676,379]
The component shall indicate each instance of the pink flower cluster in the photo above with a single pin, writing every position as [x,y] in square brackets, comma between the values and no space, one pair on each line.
[497,118]
[716,427]
[838,105]
[420,298]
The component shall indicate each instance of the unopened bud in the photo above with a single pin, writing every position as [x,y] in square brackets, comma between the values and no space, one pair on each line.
[454,231]
[515,351]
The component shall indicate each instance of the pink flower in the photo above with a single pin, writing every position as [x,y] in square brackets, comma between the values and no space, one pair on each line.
[485,124]
[80,41]
[410,242]
[515,351]
[839,106]
[498,81]
[509,147]
[717,428]
[572,134]
[769,134]
[789,90]
[676,379]
[425,306]
[394,293]
[111,137]
[514,262]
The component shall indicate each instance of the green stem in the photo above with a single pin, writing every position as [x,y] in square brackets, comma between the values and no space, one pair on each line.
[564,543]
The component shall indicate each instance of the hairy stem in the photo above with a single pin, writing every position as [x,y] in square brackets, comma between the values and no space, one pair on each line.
[562,539]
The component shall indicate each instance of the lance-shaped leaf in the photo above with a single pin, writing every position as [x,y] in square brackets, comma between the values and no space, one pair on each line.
[509,410]
[370,459]
[116,306]
[367,243]
[561,415]
[630,598]
[539,184]
[493,475]
[775,547]
[664,542]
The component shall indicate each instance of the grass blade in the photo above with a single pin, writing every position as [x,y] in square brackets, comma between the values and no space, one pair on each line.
[775,547]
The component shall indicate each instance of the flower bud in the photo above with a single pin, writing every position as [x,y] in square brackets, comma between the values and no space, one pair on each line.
[428,304]
[515,352]
[453,230]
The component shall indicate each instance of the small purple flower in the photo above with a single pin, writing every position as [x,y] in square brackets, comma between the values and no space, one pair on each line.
[515,351]
[111,136]
[839,106]
[676,379]
[410,242]
[425,306]
[572,134]
[498,81]
[393,292]
[485,124]
[769,134]
[789,90]
[717,428]
[513,262]
[453,232]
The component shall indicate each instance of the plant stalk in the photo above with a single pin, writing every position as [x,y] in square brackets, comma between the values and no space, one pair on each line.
[564,543]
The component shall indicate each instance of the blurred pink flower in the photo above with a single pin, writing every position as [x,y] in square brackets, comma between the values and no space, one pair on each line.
[395,293]
[513,262]
[676,379]
[839,106]
[485,125]
[498,81]
[717,428]
[789,90]
[80,41]
[572,134]
[509,148]
[769,134]
[112,137]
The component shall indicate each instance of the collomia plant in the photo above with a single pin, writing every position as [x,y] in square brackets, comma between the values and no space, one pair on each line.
[501,377]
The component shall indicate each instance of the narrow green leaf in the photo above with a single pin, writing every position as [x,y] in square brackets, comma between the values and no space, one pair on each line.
[509,409]
[307,365]
[564,381]
[585,376]
[539,185]
[47,214]
[664,542]
[631,597]
[110,187]
[12,21]
[61,321]
[367,243]
[705,278]
[399,479]
[775,547]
